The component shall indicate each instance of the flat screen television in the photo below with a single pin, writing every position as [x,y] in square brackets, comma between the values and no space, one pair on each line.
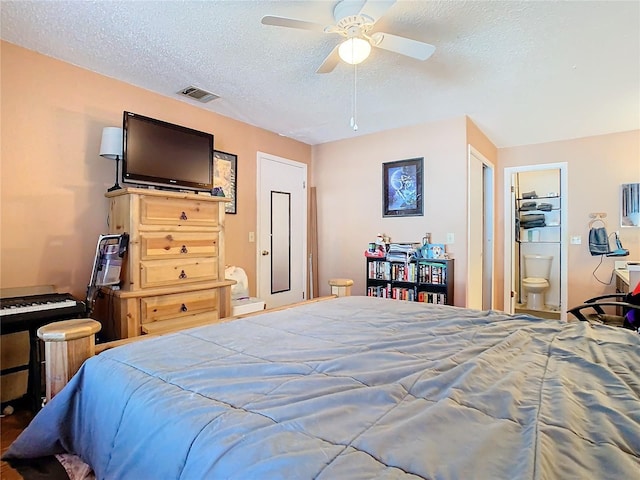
[166,155]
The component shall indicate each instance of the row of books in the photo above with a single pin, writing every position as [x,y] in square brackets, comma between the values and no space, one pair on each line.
[432,273]
[409,294]
[435,273]
[403,272]
[431,297]
[396,293]
[379,270]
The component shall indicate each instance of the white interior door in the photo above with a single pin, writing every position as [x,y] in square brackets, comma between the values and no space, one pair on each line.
[476,232]
[487,239]
[282,230]
[480,232]
[509,241]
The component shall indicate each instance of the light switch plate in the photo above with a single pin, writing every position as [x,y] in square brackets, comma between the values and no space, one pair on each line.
[576,239]
[450,238]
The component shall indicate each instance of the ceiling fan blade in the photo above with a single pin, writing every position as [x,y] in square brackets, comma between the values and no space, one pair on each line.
[330,62]
[375,9]
[402,45]
[291,23]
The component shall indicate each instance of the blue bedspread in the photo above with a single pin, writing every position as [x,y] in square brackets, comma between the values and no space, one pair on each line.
[356,387]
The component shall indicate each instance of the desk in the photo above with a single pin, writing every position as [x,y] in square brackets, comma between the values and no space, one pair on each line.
[622,280]
[627,277]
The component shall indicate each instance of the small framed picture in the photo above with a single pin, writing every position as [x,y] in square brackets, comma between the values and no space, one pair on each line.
[224,176]
[402,188]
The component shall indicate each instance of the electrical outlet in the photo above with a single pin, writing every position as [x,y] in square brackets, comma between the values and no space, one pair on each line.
[576,239]
[252,237]
[450,238]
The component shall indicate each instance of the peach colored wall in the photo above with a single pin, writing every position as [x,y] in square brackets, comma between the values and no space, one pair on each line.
[348,178]
[597,166]
[53,180]
[479,141]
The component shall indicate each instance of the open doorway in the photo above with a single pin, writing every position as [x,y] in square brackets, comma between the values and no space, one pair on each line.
[535,239]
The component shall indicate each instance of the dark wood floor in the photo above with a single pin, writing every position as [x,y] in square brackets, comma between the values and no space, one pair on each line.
[10,428]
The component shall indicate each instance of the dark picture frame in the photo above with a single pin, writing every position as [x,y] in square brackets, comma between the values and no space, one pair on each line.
[402,183]
[225,169]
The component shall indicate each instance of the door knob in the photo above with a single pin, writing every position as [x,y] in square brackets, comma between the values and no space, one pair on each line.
[265,252]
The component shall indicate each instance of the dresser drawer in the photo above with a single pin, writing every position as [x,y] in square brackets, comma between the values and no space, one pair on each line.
[157,273]
[164,307]
[177,211]
[180,323]
[178,245]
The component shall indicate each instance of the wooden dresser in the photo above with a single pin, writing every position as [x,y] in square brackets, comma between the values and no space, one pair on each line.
[173,274]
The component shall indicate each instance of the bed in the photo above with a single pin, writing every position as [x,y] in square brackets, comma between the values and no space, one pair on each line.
[355,387]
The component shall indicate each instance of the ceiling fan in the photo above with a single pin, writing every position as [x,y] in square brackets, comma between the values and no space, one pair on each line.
[355,20]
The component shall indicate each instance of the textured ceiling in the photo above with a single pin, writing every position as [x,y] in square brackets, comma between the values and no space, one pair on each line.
[525,72]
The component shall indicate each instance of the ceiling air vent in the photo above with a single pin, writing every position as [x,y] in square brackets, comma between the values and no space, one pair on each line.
[198,94]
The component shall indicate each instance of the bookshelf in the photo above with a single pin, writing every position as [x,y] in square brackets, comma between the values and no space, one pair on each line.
[422,280]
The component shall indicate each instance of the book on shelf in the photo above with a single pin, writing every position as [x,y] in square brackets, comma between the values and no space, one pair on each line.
[432,297]
[432,272]
[403,272]
[401,293]
[379,271]
[383,291]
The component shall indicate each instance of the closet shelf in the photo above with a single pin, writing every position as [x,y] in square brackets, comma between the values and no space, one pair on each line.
[536,198]
[539,211]
[543,226]
[539,241]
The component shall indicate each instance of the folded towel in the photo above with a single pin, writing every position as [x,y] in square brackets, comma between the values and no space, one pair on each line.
[534,224]
[532,217]
[528,206]
[532,220]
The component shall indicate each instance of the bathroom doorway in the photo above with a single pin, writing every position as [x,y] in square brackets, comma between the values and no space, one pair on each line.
[535,270]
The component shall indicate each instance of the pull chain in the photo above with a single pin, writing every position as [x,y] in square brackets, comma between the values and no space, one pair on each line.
[354,100]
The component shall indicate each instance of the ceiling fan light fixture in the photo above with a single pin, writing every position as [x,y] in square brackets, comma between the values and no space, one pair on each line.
[354,50]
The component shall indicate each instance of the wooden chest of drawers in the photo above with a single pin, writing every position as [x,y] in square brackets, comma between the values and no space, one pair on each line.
[173,274]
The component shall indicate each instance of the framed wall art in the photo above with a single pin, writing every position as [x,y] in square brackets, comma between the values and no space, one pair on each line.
[224,176]
[630,205]
[402,188]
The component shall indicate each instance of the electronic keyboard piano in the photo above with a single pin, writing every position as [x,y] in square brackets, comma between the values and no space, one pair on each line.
[32,311]
[26,312]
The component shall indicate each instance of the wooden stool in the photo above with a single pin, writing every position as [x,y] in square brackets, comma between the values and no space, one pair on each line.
[67,344]
[341,286]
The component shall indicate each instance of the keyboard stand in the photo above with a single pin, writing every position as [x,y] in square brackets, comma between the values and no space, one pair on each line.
[35,391]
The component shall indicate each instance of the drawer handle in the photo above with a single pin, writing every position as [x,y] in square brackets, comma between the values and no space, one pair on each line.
[183,216]
[183,308]
[182,275]
[184,249]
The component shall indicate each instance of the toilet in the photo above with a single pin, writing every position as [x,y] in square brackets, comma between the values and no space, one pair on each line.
[537,269]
